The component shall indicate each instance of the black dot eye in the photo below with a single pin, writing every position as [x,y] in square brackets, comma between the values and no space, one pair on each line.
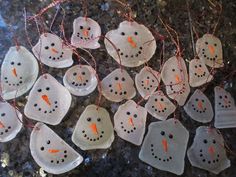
[89,28]
[3,114]
[214,141]
[89,119]
[39,90]
[155,99]
[123,79]
[135,116]
[99,119]
[128,113]
[203,101]
[12,63]
[46,47]
[52,44]
[42,148]
[226,96]
[122,33]
[170,136]
[116,78]
[135,33]
[205,141]
[220,97]
[83,73]
[162,133]
[196,99]
[195,66]
[173,70]
[47,88]
[74,74]
[81,27]
[200,65]
[162,99]
[48,142]
[215,44]
[18,64]
[206,43]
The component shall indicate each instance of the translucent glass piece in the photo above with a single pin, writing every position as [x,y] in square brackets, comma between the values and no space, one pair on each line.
[164,146]
[10,122]
[94,129]
[51,51]
[209,50]
[208,151]
[198,73]
[159,106]
[80,80]
[86,33]
[147,81]
[19,71]
[48,101]
[175,77]
[225,110]
[118,86]
[130,122]
[51,152]
[134,42]
[199,107]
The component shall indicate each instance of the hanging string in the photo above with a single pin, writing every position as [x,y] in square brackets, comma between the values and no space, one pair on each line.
[127,7]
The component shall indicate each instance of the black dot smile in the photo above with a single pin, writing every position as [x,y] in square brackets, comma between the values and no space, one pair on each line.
[167,159]
[99,136]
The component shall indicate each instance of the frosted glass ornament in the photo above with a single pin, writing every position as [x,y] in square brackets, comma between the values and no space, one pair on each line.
[19,71]
[164,146]
[94,129]
[207,151]
[199,107]
[48,101]
[118,86]
[147,81]
[10,125]
[86,33]
[51,152]
[134,42]
[130,122]
[175,77]
[225,110]
[51,51]
[159,106]
[80,80]
[198,73]
[209,50]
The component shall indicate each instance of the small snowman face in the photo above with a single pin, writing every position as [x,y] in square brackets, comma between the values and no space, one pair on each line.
[198,73]
[52,153]
[130,120]
[199,107]
[80,80]
[159,106]
[209,50]
[134,42]
[19,71]
[94,129]
[48,101]
[118,86]
[51,51]
[175,77]
[10,124]
[147,81]
[207,151]
[86,33]
[165,145]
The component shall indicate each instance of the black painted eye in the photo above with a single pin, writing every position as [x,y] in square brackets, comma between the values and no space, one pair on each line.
[205,141]
[173,70]
[170,136]
[135,33]
[206,43]
[128,113]
[74,74]
[89,28]
[203,101]
[215,44]
[220,97]
[196,99]
[214,141]
[116,78]
[200,65]
[47,88]
[81,27]
[99,119]
[52,44]
[89,119]
[3,114]
[42,148]
[46,47]
[12,63]
[195,66]
[39,90]
[48,142]
[226,96]
[155,99]
[123,79]
[18,64]
[83,73]
[162,99]
[122,33]
[135,116]
[162,133]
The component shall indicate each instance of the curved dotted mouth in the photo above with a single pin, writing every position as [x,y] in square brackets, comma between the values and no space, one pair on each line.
[61,160]
[216,160]
[135,55]
[117,92]
[19,83]
[81,84]
[92,139]
[149,86]
[181,91]
[209,58]
[6,130]
[84,38]
[225,106]
[54,108]
[127,131]
[159,110]
[197,110]
[168,159]
[200,75]
[58,57]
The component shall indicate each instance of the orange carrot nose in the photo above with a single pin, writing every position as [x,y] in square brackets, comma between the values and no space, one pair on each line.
[14,72]
[53,151]
[131,42]
[199,70]
[200,105]
[119,86]
[159,105]
[177,78]
[211,49]
[165,145]
[211,150]
[147,82]
[93,127]
[2,125]
[46,99]
[225,101]
[80,78]
[85,32]
[54,50]
[131,121]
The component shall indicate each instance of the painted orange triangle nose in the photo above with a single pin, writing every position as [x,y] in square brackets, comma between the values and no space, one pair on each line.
[14,72]
[53,151]
[85,32]
[2,125]
[159,105]
[54,50]
[46,99]
[211,150]
[200,105]
[93,127]
[211,49]
[119,86]
[131,42]
[80,78]
[147,82]
[131,121]
[177,78]
[165,145]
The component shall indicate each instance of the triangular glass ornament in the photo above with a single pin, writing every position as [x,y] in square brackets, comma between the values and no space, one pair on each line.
[48,101]
[209,50]
[130,122]
[80,80]
[86,33]
[225,109]
[199,107]
[19,71]
[147,81]
[51,51]
[164,146]
[134,42]
[94,129]
[118,86]
[159,106]
[175,77]
[208,151]
[51,152]
[10,122]
[198,73]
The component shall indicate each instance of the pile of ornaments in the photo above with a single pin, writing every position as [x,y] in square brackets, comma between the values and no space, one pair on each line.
[165,145]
